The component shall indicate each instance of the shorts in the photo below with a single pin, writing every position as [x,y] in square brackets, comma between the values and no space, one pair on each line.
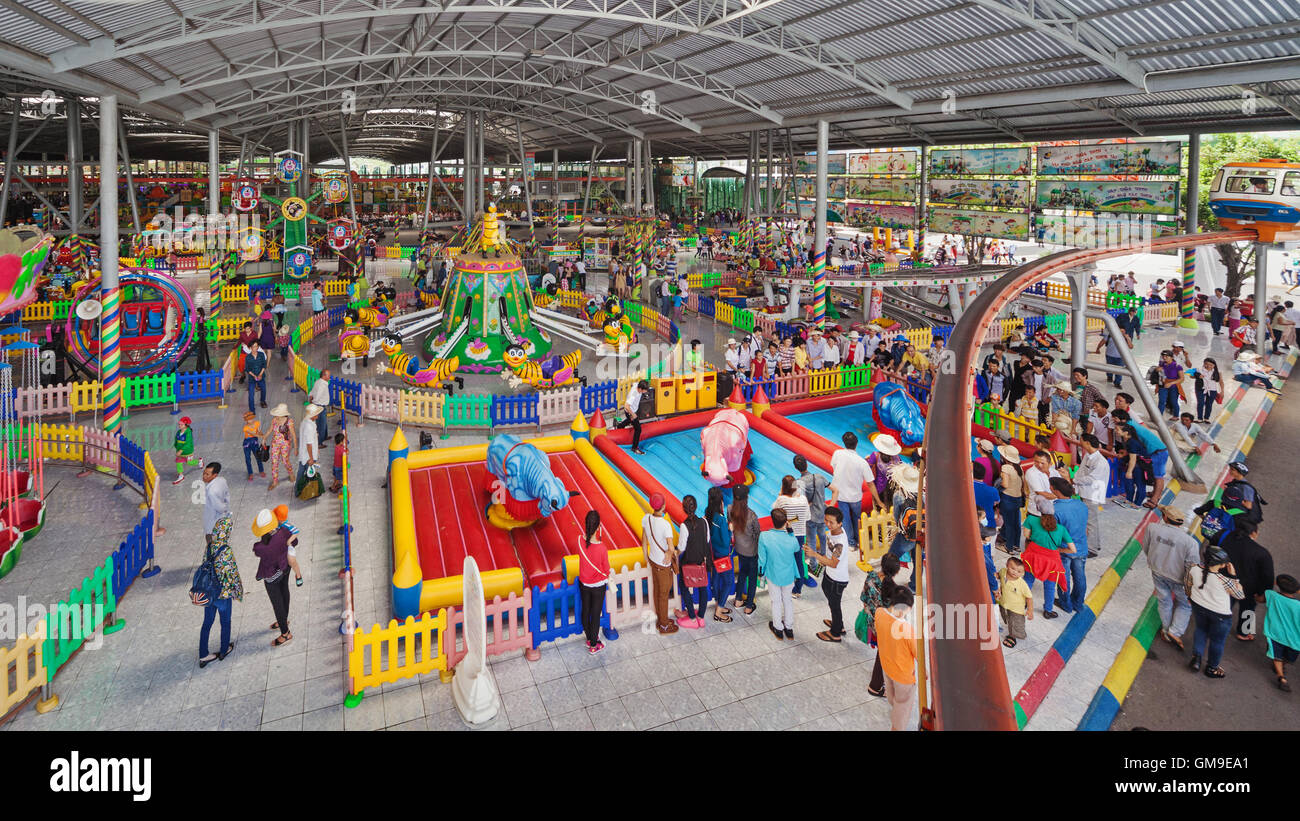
[1283,653]
[338,474]
[1160,464]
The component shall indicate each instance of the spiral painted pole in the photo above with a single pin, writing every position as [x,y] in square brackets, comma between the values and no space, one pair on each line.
[214,285]
[110,356]
[819,284]
[1187,297]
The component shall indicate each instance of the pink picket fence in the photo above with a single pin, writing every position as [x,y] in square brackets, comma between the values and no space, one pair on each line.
[379,403]
[101,451]
[47,401]
[507,627]
[560,405]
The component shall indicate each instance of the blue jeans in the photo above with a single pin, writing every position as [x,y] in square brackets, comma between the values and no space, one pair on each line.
[1135,489]
[852,519]
[1011,507]
[990,570]
[815,536]
[1074,571]
[1172,604]
[1252,380]
[1205,403]
[747,578]
[322,431]
[700,594]
[252,450]
[721,585]
[1114,378]
[1211,629]
[220,607]
[254,384]
[1049,591]
[1168,398]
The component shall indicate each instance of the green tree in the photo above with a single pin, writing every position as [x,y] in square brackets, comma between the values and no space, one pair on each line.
[1238,258]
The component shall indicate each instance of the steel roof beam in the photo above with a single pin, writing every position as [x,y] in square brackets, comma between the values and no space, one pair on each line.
[1113,113]
[1276,96]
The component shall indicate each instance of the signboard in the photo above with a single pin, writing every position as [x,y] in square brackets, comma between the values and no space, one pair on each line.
[995,193]
[807,164]
[979,223]
[836,188]
[883,162]
[596,252]
[1111,158]
[288,168]
[1009,161]
[1102,230]
[530,166]
[294,209]
[892,189]
[883,216]
[336,189]
[1102,195]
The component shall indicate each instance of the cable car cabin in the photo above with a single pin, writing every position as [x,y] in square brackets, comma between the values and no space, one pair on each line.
[147,323]
[1263,196]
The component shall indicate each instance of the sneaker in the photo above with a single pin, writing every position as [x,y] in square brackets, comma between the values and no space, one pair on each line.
[691,624]
[789,634]
[779,635]
[638,451]
[596,648]
[810,582]
[178,479]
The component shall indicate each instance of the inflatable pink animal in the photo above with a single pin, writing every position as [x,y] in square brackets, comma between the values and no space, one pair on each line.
[725,441]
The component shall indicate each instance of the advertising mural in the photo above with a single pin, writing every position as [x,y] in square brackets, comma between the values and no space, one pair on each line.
[979,223]
[807,164]
[1100,195]
[889,189]
[883,162]
[1103,230]
[884,216]
[1110,158]
[1011,161]
[996,193]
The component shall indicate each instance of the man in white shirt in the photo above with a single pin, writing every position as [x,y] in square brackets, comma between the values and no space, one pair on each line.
[1091,480]
[746,356]
[732,356]
[1218,310]
[216,498]
[1038,488]
[816,350]
[308,450]
[320,395]
[657,539]
[1191,432]
[631,406]
[836,561]
[849,472]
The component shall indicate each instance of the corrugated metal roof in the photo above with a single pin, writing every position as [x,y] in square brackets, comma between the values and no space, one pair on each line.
[988,57]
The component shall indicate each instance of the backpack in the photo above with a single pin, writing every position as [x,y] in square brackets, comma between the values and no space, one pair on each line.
[1153,376]
[907,522]
[205,588]
[1234,497]
[1216,524]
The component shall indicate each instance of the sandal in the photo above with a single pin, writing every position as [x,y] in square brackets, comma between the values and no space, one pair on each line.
[274,626]
[880,694]
[749,610]
[298,581]
[1283,684]
[1214,672]
[1008,642]
[721,617]
[283,638]
[1240,637]
[825,635]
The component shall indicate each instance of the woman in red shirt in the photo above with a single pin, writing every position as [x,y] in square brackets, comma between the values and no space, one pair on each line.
[593,573]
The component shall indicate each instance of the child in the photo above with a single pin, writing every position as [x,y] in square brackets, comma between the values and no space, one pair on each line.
[283,341]
[1015,600]
[340,448]
[1027,407]
[282,516]
[253,444]
[184,445]
[1282,626]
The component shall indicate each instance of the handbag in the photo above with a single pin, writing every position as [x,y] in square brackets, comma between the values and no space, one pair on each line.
[861,628]
[695,575]
[310,486]
[723,565]
[264,453]
[205,587]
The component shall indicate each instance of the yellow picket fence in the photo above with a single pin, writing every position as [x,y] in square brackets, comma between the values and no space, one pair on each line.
[64,443]
[22,668]
[386,654]
[824,381]
[920,337]
[875,531]
[1017,426]
[233,293]
[422,408]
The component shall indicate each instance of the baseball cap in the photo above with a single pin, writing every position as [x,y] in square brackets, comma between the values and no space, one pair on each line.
[656,501]
[1240,467]
[1178,343]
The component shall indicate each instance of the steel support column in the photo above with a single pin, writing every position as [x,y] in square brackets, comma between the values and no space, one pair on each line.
[528,183]
[480,179]
[591,171]
[11,155]
[650,177]
[1261,297]
[214,175]
[428,188]
[75,155]
[347,168]
[110,292]
[768,210]
[1078,320]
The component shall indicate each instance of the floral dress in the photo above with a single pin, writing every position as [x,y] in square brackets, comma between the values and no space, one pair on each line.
[280,434]
[871,600]
[232,587]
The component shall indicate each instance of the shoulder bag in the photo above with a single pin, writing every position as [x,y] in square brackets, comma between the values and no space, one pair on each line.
[205,588]
[694,575]
[582,554]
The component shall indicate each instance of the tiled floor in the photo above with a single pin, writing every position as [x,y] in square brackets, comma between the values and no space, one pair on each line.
[726,676]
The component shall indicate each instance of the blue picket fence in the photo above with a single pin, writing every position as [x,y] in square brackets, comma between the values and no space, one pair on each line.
[706,306]
[557,613]
[345,394]
[918,390]
[191,387]
[602,395]
[748,387]
[132,462]
[133,555]
[336,315]
[941,332]
[1032,324]
[515,410]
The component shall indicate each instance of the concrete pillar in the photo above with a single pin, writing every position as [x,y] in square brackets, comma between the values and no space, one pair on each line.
[1078,319]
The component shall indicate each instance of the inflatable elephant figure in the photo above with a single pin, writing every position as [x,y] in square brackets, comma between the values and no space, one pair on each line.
[898,414]
[526,474]
[725,441]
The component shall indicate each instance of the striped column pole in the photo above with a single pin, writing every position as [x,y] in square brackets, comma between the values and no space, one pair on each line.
[110,356]
[1187,301]
[214,286]
[819,285]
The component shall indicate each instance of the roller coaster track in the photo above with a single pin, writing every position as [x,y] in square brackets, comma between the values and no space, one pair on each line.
[970,687]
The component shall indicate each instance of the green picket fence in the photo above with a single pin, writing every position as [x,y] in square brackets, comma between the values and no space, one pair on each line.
[858,376]
[1055,323]
[468,411]
[155,389]
[71,622]
[742,319]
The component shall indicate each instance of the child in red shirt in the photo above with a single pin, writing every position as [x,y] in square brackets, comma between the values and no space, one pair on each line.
[340,449]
